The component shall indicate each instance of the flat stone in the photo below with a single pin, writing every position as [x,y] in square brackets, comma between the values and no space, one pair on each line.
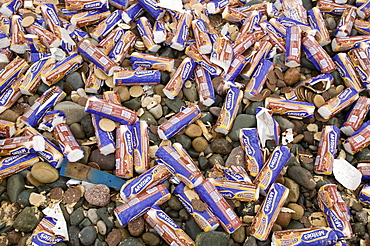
[242,121]
[73,111]
[99,195]
[72,195]
[302,177]
[299,211]
[44,172]
[215,159]
[292,76]
[133,104]
[87,235]
[28,219]
[102,227]
[151,239]
[192,228]
[74,79]
[15,186]
[174,203]
[184,140]
[251,109]
[14,237]
[236,157]
[87,126]
[93,215]
[156,111]
[214,238]
[9,115]
[221,146]
[105,216]
[23,197]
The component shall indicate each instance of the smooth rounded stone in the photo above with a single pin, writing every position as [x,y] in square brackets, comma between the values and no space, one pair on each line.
[221,146]
[102,227]
[308,137]
[99,195]
[72,195]
[214,238]
[302,177]
[14,237]
[191,93]
[131,241]
[251,241]
[87,126]
[77,216]
[74,79]
[123,93]
[175,104]
[136,227]
[203,163]
[59,183]
[44,172]
[77,130]
[23,197]
[9,115]
[191,228]
[156,111]
[206,117]
[199,144]
[294,224]
[359,228]
[133,104]
[363,155]
[114,237]
[92,215]
[174,203]
[298,209]
[215,159]
[151,239]
[105,162]
[193,131]
[284,123]
[167,51]
[251,109]
[73,111]
[87,235]
[292,76]
[184,140]
[215,111]
[85,222]
[361,216]
[239,235]
[242,121]
[317,219]
[293,189]
[307,63]
[28,219]
[184,215]
[105,216]
[307,4]
[283,219]
[15,186]
[236,157]
[73,232]
[149,118]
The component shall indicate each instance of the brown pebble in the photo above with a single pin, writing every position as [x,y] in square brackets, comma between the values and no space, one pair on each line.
[114,237]
[14,237]
[99,195]
[292,76]
[199,144]
[72,195]
[107,125]
[82,101]
[318,100]
[271,77]
[33,181]
[283,219]
[199,205]
[136,227]
[279,74]
[67,88]
[94,165]
[136,91]
[56,194]
[286,89]
[193,131]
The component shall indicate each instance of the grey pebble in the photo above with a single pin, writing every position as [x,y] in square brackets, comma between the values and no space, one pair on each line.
[156,111]
[92,215]
[242,121]
[302,177]
[105,216]
[236,157]
[73,111]
[76,216]
[221,146]
[149,118]
[87,235]
[23,197]
[15,186]
[151,239]
[87,126]
[133,104]
[102,227]
[184,140]
[192,228]
[175,104]
[74,79]
[73,232]
[284,123]
[131,241]
[251,109]
[77,130]
[191,93]
[216,159]
[214,238]
[28,219]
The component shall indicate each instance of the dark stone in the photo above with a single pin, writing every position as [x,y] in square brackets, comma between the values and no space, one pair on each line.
[87,126]
[87,235]
[107,162]
[76,216]
[175,104]
[184,140]
[133,104]
[302,177]
[15,186]
[28,219]
[106,217]
[214,238]
[215,159]
[221,146]
[192,228]
[131,241]
[73,232]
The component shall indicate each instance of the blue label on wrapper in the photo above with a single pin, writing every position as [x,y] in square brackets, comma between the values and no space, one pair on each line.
[152,8]
[14,164]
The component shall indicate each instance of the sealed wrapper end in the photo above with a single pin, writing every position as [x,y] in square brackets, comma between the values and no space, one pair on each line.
[119,4]
[96,56]
[204,85]
[141,146]
[60,69]
[11,95]
[150,61]
[359,140]
[316,20]
[152,8]
[347,71]
[222,54]
[361,63]
[12,72]
[364,168]
[258,79]
[268,212]
[229,110]
[252,148]
[336,210]
[206,220]
[145,77]
[146,32]
[338,103]
[364,10]
[105,140]
[182,31]
[7,129]
[68,143]
[14,164]
[167,228]
[356,116]
[124,152]
[48,38]
[327,150]
[42,104]
[180,166]
[290,108]
[183,72]
[178,122]
[201,36]
[21,145]
[305,237]
[106,26]
[148,179]
[232,173]
[110,110]
[141,204]
[51,119]
[272,168]
[293,46]
[317,55]
[18,41]
[364,195]
[236,190]
[219,206]
[132,13]
[159,32]
[10,7]
[347,43]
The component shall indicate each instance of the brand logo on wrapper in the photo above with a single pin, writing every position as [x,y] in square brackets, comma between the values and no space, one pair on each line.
[362,74]
[11,159]
[230,100]
[38,66]
[275,160]
[111,18]
[333,142]
[344,94]
[117,37]
[337,222]
[128,138]
[5,98]
[313,235]
[145,72]
[164,217]
[207,67]
[19,151]
[186,71]
[142,183]
[227,194]
[270,201]
[52,16]
[92,5]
